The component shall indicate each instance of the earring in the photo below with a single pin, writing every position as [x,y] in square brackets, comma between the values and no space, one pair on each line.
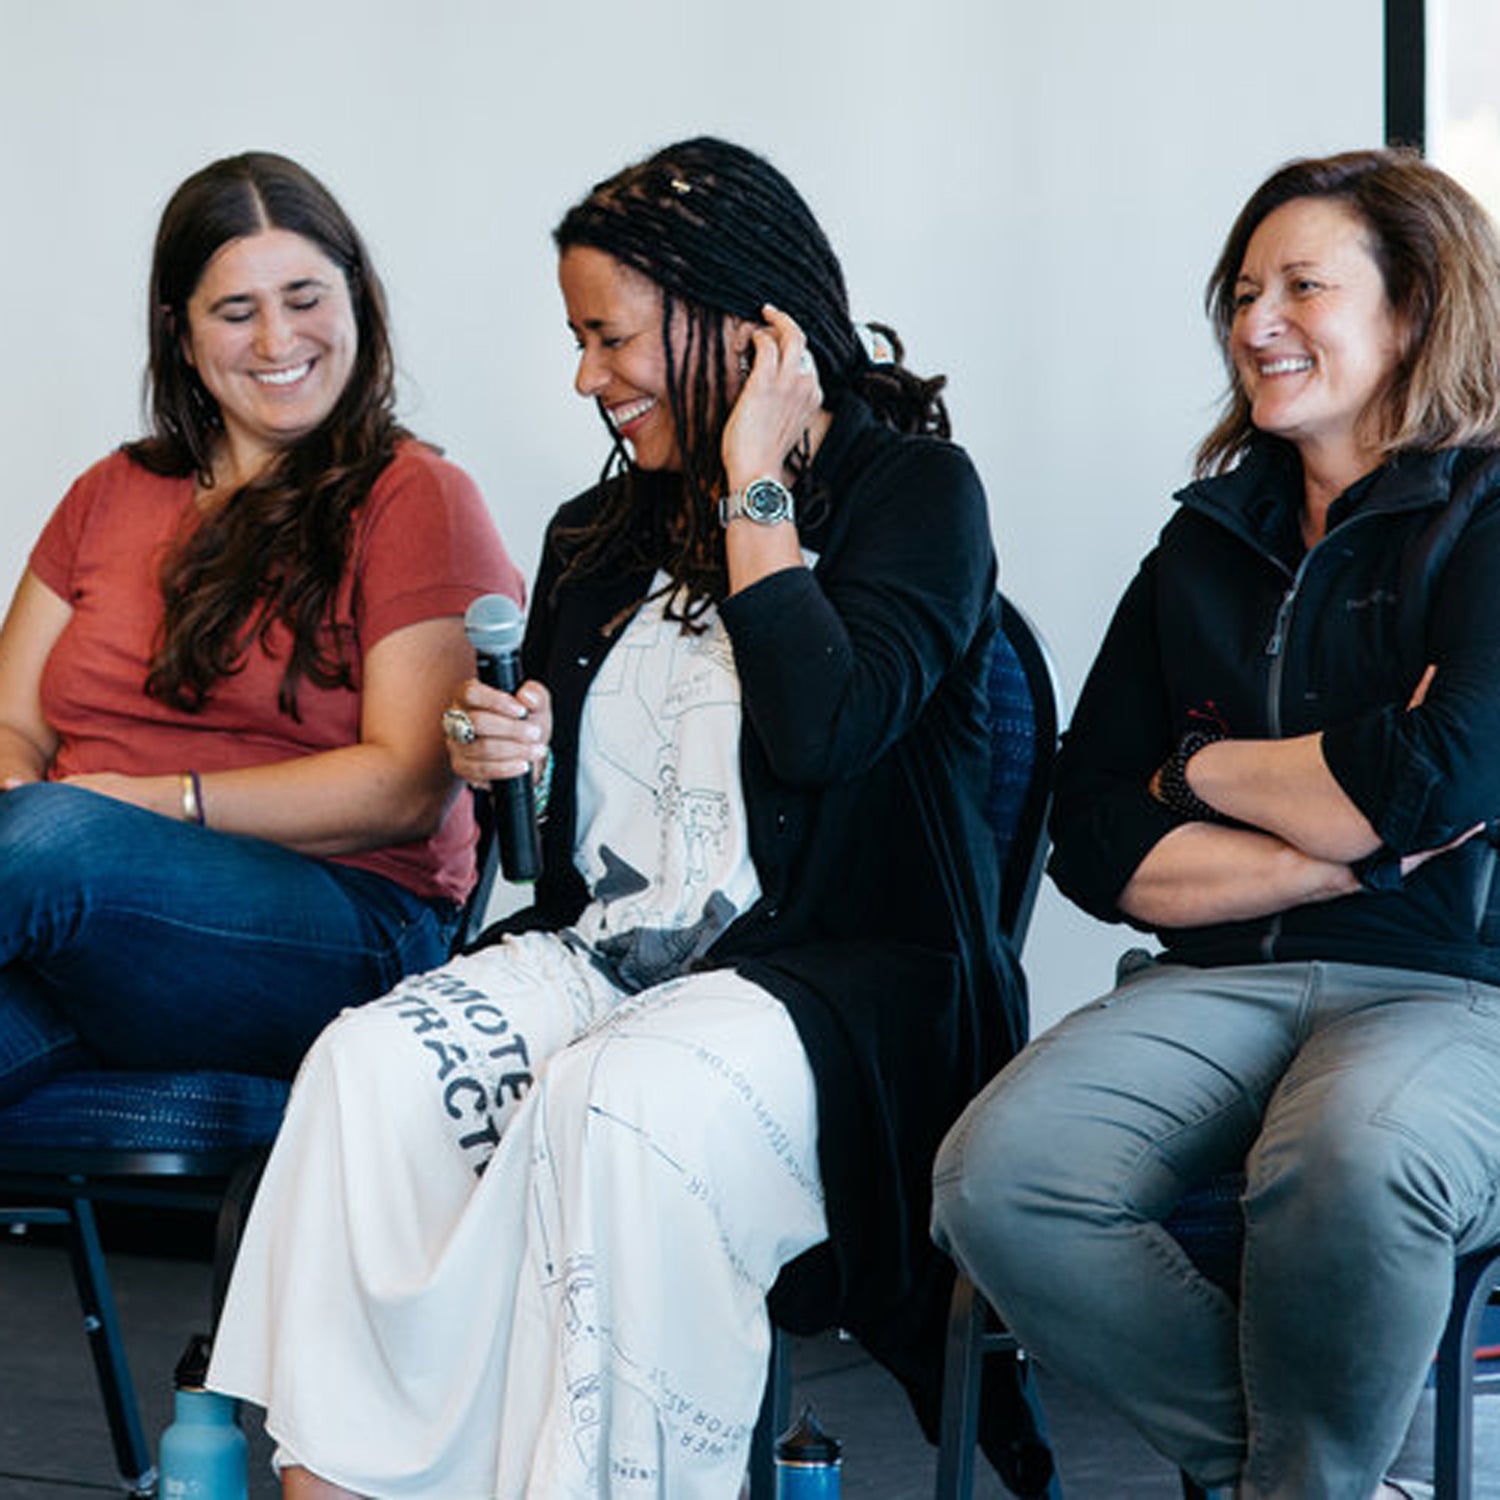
[744,363]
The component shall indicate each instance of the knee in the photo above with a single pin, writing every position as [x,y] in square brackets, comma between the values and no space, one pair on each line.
[372,1051]
[1347,1182]
[48,833]
[604,1079]
[614,1091]
[988,1179]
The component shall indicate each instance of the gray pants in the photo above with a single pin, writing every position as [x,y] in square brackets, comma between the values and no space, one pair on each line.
[1364,1104]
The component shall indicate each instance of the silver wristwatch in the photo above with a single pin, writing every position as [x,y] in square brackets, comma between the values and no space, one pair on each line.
[765,501]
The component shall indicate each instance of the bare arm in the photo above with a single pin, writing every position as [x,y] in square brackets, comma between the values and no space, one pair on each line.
[1201,873]
[393,786]
[36,618]
[1285,788]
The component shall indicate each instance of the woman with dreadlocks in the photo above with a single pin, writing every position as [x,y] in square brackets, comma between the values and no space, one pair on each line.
[225,807]
[519,1231]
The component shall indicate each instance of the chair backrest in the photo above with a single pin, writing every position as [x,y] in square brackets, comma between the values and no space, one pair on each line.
[1025,705]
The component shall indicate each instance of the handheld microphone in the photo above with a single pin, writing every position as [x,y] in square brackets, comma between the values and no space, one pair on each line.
[494,627]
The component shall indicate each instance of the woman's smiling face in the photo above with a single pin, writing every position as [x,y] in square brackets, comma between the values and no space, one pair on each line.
[272,335]
[615,314]
[1314,337]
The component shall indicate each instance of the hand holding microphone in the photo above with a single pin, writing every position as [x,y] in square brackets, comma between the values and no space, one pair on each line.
[494,627]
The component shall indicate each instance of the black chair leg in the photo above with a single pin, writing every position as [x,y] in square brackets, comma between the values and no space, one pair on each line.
[102,1325]
[774,1419]
[1477,1280]
[229,1226]
[970,1341]
[962,1370]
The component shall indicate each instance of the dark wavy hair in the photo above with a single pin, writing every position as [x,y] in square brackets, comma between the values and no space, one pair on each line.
[277,549]
[1440,261]
[720,231]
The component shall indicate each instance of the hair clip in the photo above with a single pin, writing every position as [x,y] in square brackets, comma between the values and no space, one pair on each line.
[877,346]
[680,186]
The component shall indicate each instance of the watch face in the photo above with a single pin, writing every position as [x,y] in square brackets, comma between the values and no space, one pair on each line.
[766,501]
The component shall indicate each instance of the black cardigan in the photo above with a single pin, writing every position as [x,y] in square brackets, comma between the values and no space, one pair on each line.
[864,758]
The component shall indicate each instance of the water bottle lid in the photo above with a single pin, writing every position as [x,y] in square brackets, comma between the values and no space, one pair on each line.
[807,1443]
[192,1369]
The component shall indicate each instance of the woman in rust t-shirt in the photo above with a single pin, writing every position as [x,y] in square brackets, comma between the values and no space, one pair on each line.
[226,808]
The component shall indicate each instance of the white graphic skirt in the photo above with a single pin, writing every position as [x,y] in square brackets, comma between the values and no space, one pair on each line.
[517,1231]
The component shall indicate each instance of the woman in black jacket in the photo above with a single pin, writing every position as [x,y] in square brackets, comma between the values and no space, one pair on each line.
[761,975]
[1283,764]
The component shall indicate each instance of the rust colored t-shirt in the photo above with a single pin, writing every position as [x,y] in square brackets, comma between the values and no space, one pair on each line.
[423,547]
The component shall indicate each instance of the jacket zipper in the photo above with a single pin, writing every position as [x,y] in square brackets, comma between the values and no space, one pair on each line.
[1276,645]
[1276,650]
[1278,656]
[1484,884]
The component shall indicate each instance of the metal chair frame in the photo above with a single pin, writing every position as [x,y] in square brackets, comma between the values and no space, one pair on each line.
[61,1188]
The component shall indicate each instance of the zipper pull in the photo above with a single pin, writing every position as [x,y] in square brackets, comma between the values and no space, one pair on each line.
[1278,630]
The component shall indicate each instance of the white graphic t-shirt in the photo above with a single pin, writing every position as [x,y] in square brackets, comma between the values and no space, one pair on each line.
[662,838]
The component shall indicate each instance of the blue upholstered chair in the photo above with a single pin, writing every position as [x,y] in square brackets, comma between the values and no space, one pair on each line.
[1023,719]
[192,1140]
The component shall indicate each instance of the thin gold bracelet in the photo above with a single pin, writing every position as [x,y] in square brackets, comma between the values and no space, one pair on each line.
[192,798]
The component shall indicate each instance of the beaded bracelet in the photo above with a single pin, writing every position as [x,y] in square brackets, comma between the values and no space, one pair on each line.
[1171,783]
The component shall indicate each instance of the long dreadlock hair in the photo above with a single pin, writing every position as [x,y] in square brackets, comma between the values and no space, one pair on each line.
[721,232]
[277,550]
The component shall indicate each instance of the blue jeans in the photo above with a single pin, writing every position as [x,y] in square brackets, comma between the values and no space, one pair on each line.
[1361,1102]
[132,940]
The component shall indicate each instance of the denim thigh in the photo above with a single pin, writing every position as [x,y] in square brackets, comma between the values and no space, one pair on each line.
[163,944]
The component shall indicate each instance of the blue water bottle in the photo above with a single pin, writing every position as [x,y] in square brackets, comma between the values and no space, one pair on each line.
[807,1461]
[203,1451]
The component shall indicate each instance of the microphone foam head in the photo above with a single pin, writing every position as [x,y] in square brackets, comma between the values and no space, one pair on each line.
[494,625]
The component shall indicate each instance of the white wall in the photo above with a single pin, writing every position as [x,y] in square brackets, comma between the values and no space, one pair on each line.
[1032,193]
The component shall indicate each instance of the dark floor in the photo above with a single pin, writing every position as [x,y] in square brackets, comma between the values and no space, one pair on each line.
[54,1445]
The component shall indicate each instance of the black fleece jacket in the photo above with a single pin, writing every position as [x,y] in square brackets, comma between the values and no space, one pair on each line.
[1230,623]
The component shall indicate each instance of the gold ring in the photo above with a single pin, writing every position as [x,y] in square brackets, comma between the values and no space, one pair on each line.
[458,727]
